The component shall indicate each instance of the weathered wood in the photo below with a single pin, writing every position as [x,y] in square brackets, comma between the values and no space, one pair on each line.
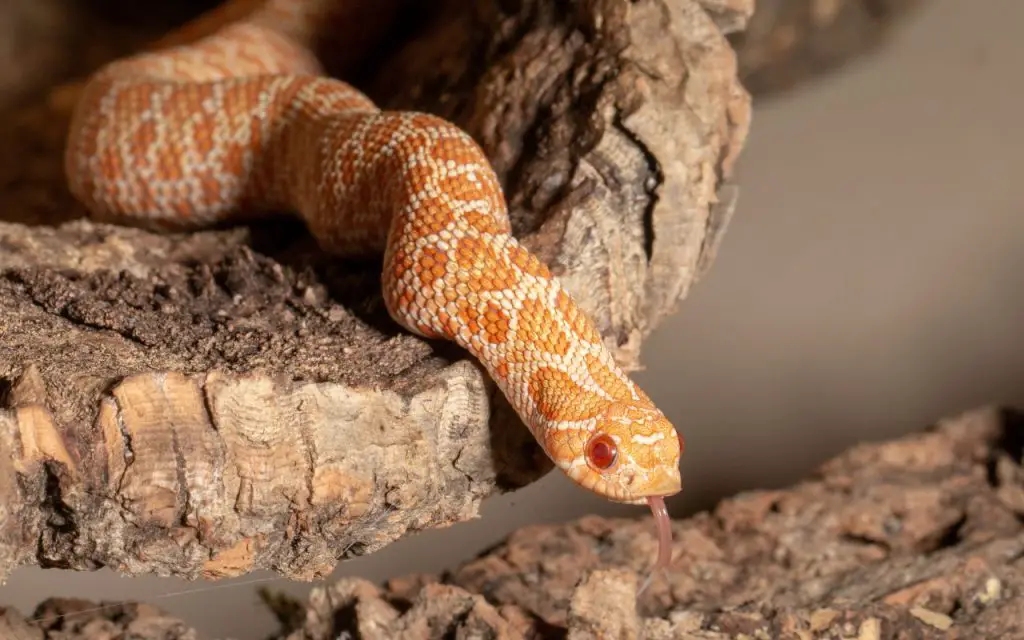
[786,43]
[918,537]
[214,403]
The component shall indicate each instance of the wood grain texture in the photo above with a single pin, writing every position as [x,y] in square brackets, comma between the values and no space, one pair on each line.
[916,537]
[235,382]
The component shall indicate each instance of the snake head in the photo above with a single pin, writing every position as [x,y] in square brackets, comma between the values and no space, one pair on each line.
[631,454]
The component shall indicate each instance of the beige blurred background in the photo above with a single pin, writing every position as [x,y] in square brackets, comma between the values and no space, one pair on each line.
[870,283]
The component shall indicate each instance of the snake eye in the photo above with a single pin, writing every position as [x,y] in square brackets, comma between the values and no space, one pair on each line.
[602,452]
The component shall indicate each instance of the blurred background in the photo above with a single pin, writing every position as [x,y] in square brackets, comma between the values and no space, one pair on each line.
[869,284]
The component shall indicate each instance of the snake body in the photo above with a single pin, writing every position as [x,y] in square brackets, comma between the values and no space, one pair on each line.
[244,119]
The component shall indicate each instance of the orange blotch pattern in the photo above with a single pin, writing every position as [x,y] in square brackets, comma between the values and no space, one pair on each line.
[607,380]
[481,268]
[484,222]
[654,455]
[401,262]
[643,420]
[565,444]
[536,325]
[433,217]
[576,319]
[496,323]
[490,323]
[431,266]
[528,262]
[558,397]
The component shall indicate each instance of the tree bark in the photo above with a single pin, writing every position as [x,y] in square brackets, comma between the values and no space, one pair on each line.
[209,404]
[919,537]
[786,43]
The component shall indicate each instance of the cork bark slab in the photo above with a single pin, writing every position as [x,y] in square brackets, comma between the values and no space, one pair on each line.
[918,537]
[213,403]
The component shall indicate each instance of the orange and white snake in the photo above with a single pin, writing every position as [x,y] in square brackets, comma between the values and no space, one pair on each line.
[245,119]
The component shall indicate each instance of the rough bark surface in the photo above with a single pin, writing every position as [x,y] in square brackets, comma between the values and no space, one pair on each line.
[219,402]
[921,537]
[786,43]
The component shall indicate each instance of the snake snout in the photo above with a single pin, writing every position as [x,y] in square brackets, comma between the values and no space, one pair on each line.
[663,482]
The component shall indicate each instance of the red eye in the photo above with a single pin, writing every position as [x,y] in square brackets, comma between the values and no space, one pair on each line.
[602,452]
[682,445]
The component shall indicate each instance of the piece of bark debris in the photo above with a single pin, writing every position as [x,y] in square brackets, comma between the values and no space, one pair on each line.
[604,606]
[903,539]
[932,618]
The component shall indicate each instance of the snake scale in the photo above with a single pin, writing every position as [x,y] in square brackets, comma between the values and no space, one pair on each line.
[244,119]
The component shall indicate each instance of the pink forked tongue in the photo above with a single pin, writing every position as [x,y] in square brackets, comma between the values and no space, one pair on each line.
[664,526]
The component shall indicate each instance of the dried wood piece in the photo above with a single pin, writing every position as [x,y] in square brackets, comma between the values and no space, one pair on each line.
[603,605]
[73,619]
[214,403]
[919,537]
[787,43]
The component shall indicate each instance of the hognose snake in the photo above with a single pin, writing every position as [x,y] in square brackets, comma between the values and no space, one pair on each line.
[245,119]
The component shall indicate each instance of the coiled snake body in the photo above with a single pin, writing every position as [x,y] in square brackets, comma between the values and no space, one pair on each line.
[244,119]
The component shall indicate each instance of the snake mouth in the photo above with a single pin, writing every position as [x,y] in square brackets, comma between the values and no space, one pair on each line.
[664,484]
[661,484]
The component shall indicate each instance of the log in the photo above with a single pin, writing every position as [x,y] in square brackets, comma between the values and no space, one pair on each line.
[204,405]
[917,537]
[786,43]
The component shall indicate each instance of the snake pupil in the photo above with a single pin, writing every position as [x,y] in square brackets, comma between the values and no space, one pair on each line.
[602,452]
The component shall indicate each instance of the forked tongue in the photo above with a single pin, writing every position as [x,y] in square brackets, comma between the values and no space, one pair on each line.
[664,527]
